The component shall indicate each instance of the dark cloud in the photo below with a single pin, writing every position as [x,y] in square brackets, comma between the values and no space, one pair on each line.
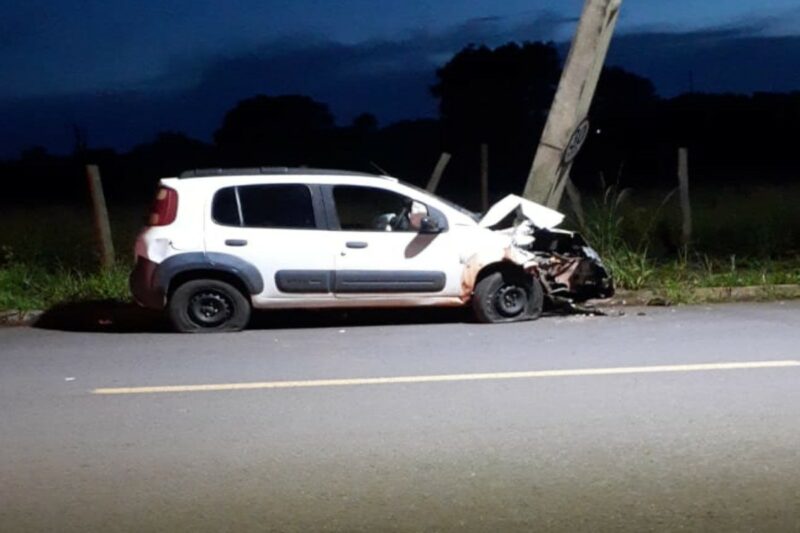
[380,78]
[490,18]
[784,23]
[728,60]
[21,25]
[388,78]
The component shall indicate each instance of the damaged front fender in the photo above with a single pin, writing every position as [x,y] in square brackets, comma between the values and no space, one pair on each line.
[568,268]
[496,257]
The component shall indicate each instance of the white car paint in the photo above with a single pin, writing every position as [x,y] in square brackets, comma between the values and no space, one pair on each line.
[458,252]
[539,215]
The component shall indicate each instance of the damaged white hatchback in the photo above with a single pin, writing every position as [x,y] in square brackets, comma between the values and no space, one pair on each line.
[221,242]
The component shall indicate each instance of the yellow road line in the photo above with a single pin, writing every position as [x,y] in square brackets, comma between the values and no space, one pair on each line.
[212,387]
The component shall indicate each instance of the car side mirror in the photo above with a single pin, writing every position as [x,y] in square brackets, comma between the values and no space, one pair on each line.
[429,224]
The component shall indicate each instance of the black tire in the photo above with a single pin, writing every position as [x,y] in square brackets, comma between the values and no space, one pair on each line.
[207,306]
[507,297]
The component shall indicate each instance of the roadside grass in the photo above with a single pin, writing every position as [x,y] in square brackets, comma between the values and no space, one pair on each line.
[47,256]
[26,287]
[741,238]
[676,281]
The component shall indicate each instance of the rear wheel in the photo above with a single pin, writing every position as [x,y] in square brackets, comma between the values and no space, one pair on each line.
[208,305]
[507,297]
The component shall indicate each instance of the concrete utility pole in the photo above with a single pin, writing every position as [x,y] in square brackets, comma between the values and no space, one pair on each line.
[566,127]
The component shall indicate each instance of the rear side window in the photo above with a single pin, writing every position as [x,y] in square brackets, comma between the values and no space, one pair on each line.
[225,210]
[265,206]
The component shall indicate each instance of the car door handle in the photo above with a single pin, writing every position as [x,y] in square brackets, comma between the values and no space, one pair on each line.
[356,244]
[236,242]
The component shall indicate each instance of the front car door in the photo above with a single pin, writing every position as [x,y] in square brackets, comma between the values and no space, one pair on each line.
[381,255]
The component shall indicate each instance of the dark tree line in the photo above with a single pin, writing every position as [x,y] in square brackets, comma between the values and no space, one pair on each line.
[495,96]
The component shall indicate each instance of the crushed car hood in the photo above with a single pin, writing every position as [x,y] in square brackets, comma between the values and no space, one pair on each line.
[539,215]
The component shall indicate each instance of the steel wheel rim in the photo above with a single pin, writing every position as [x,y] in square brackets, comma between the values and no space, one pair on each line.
[510,300]
[210,308]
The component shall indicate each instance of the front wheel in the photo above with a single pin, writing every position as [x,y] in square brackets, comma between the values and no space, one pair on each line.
[507,297]
[208,305]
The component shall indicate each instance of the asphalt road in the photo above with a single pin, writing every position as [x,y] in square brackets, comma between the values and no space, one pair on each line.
[657,439]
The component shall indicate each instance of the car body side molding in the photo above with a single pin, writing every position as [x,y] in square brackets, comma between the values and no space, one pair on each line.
[359,281]
[304,281]
[365,281]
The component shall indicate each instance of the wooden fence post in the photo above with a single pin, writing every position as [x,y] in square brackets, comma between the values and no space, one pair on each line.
[484,177]
[102,226]
[686,207]
[436,177]
[574,196]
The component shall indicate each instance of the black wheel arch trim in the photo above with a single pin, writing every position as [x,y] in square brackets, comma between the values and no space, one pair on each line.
[230,264]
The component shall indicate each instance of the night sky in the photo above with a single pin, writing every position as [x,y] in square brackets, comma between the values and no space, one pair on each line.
[124,70]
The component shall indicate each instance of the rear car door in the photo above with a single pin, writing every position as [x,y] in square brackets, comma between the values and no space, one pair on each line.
[280,229]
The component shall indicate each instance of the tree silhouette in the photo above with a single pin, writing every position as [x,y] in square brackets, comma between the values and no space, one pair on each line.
[500,97]
[489,93]
[365,123]
[279,130]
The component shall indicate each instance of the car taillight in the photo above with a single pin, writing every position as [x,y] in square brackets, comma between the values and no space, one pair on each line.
[165,207]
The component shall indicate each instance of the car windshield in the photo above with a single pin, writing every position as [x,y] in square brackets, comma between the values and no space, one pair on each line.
[471,214]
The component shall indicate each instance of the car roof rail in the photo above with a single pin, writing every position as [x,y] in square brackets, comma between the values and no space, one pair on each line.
[276,171]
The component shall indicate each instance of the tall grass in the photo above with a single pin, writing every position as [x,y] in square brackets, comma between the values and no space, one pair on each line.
[638,237]
[47,256]
[629,261]
[27,286]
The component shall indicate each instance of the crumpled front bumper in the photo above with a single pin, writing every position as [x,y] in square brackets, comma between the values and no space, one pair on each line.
[577,278]
[568,267]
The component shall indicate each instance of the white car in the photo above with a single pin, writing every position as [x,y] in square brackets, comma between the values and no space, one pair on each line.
[221,242]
